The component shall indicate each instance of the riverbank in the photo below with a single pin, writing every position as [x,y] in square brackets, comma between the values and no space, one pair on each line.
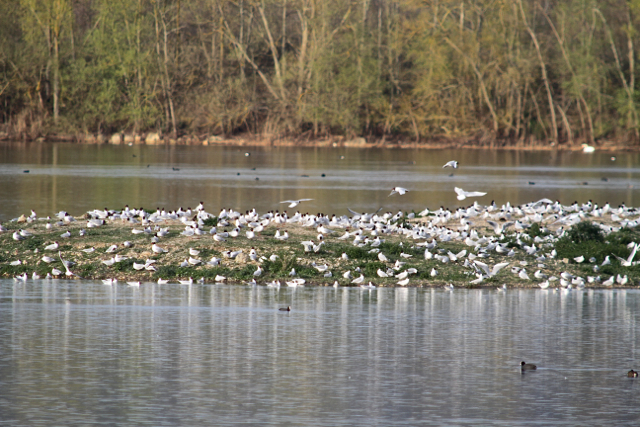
[253,140]
[467,248]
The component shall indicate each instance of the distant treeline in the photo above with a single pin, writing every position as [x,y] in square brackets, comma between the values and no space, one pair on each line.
[511,70]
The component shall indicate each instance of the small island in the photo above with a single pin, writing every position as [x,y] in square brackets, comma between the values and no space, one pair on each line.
[541,244]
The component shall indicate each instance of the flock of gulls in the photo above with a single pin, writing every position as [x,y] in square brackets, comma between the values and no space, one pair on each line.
[486,232]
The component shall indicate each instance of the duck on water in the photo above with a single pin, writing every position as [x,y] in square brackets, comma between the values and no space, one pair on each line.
[527,366]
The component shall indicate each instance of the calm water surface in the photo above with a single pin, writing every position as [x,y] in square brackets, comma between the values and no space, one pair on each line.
[77,178]
[81,353]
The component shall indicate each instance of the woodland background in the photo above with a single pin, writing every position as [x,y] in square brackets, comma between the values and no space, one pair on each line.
[509,70]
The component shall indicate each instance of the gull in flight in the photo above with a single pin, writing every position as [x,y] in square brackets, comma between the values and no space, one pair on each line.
[451,163]
[464,194]
[629,261]
[398,190]
[294,203]
[493,271]
[499,228]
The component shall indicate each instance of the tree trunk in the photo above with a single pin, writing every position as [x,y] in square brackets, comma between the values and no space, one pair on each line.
[543,67]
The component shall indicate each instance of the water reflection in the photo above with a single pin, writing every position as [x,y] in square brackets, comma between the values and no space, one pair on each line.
[83,352]
[77,178]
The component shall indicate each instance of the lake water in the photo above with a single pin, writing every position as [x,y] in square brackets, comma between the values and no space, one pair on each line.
[81,353]
[77,178]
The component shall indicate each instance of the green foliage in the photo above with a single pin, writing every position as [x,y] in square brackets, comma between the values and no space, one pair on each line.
[370,269]
[354,252]
[211,221]
[126,265]
[13,270]
[585,231]
[535,230]
[587,239]
[355,69]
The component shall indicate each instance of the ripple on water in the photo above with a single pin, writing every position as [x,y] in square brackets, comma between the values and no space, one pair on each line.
[394,357]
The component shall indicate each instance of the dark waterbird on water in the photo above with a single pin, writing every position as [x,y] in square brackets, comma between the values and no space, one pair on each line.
[632,374]
[527,366]
[285,308]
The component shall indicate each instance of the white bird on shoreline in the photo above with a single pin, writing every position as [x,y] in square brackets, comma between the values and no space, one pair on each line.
[358,280]
[403,282]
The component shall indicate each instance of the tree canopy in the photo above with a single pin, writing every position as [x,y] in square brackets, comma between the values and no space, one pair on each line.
[510,70]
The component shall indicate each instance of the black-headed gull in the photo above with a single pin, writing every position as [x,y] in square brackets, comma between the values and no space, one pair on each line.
[464,194]
[52,247]
[294,203]
[451,163]
[398,190]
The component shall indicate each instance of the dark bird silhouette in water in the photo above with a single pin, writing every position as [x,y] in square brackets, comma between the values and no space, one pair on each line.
[528,366]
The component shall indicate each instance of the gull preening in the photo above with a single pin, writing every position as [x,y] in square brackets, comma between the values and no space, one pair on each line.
[464,194]
[294,203]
